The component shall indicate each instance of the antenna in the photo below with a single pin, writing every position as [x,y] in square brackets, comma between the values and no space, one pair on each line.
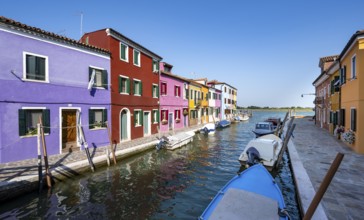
[81,24]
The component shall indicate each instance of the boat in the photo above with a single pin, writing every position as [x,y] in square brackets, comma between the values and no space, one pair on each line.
[251,195]
[263,128]
[264,149]
[244,117]
[235,119]
[175,141]
[275,120]
[223,124]
[208,128]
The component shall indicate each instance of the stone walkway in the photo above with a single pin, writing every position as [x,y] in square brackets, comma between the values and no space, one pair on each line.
[317,149]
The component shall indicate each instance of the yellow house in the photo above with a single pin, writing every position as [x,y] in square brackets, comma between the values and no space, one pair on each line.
[352,91]
[194,103]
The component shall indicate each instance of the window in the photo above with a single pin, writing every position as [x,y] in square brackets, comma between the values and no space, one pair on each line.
[343,75]
[155,91]
[97,118]
[191,94]
[138,87]
[225,89]
[155,116]
[177,91]
[164,116]
[124,55]
[29,118]
[97,78]
[138,118]
[186,95]
[163,88]
[342,117]
[353,119]
[124,85]
[177,115]
[136,58]
[155,66]
[35,67]
[353,67]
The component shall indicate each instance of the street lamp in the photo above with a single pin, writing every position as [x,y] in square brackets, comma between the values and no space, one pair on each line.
[307,94]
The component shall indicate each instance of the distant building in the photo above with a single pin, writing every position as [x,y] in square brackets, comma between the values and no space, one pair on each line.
[174,97]
[228,98]
[60,80]
[134,84]
[194,103]
[204,100]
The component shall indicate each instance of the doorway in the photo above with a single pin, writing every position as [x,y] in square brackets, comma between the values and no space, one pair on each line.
[146,123]
[69,130]
[170,121]
[124,125]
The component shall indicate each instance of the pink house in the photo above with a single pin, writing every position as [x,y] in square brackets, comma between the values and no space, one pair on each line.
[173,100]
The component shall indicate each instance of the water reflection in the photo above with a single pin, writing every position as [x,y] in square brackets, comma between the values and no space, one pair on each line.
[154,185]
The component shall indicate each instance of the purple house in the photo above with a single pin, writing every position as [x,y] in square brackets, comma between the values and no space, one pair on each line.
[60,80]
[214,104]
[173,100]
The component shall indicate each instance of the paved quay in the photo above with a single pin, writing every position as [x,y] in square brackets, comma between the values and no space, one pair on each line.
[316,148]
[22,176]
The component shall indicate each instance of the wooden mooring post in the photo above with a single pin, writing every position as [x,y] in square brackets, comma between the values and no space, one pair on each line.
[40,172]
[45,156]
[323,187]
[285,144]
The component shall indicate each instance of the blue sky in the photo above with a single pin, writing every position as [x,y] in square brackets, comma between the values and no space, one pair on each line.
[269,50]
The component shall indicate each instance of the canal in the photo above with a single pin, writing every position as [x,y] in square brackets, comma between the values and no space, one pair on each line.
[155,184]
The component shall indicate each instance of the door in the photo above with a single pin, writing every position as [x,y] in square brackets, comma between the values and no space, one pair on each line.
[124,125]
[185,121]
[146,123]
[170,121]
[69,131]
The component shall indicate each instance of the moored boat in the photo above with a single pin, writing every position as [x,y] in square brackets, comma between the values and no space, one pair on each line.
[251,195]
[264,149]
[208,128]
[223,124]
[263,128]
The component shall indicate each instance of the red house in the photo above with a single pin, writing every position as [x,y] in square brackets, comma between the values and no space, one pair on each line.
[134,84]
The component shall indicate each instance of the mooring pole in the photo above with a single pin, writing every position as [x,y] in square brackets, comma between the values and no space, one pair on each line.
[45,156]
[323,187]
[40,175]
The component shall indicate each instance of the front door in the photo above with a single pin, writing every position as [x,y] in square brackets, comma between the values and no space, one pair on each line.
[124,125]
[170,121]
[69,130]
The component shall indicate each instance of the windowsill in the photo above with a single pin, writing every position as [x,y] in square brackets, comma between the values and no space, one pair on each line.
[137,126]
[124,93]
[96,87]
[138,65]
[137,95]
[98,128]
[31,135]
[126,61]
[155,97]
[155,122]
[34,80]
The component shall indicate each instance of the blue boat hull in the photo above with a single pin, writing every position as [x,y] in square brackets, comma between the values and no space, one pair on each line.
[255,180]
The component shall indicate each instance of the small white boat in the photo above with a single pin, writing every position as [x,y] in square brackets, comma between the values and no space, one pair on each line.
[175,141]
[244,117]
[264,149]
[263,128]
[208,128]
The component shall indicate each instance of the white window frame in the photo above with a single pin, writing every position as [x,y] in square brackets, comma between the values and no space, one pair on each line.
[46,80]
[138,118]
[156,90]
[125,77]
[179,91]
[155,117]
[126,52]
[102,70]
[155,66]
[136,80]
[163,94]
[34,109]
[138,64]
[100,109]
[353,67]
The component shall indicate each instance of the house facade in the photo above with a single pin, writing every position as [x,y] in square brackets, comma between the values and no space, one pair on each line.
[204,100]
[228,98]
[134,85]
[174,97]
[322,86]
[334,100]
[61,81]
[352,89]
[194,103]
[214,104]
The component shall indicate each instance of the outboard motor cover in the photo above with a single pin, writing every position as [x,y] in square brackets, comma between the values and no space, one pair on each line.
[253,156]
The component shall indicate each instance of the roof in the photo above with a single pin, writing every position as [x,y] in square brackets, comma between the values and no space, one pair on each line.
[131,42]
[49,35]
[174,76]
[328,59]
[217,82]
[352,39]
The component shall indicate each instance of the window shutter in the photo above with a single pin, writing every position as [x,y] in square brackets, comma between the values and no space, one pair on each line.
[22,122]
[353,119]
[128,86]
[141,114]
[104,79]
[342,117]
[344,74]
[140,88]
[91,119]
[46,121]
[158,117]
[134,92]
[104,117]
[157,88]
[135,118]
[120,84]
[122,51]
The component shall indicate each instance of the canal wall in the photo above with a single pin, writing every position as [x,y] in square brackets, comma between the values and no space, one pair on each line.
[21,177]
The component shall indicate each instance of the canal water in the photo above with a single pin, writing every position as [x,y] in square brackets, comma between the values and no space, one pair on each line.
[155,184]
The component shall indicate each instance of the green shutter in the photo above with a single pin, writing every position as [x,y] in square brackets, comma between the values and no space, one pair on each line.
[133,87]
[158,116]
[135,118]
[141,88]
[46,121]
[128,86]
[157,88]
[104,79]
[91,118]
[104,117]
[22,122]
[122,51]
[120,84]
[141,117]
